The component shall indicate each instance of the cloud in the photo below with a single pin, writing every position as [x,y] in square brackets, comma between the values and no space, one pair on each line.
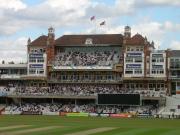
[58,13]
[12,4]
[127,7]
[13,50]
[119,8]
[15,15]
[162,2]
[175,45]
[67,4]
[170,26]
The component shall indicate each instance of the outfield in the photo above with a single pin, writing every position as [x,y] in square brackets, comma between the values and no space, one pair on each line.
[56,125]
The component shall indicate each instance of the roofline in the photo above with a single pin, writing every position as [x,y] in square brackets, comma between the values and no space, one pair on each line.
[87,35]
[84,45]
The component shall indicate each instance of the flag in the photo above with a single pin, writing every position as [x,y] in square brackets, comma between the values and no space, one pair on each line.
[102,23]
[92,18]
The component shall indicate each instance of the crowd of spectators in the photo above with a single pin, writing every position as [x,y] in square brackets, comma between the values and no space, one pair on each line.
[76,58]
[151,93]
[67,89]
[77,90]
[87,108]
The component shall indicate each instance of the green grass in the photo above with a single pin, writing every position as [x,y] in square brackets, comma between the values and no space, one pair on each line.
[130,126]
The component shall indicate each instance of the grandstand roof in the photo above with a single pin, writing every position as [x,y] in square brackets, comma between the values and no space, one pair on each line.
[40,41]
[110,39]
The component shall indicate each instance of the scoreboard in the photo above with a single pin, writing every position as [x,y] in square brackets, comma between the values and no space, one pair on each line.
[119,99]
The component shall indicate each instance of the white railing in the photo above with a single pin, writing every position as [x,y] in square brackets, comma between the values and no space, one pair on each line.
[9,76]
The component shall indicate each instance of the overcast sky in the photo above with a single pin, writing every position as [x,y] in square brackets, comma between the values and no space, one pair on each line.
[158,20]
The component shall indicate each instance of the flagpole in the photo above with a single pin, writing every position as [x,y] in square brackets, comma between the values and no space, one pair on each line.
[101,26]
[93,20]
[95,26]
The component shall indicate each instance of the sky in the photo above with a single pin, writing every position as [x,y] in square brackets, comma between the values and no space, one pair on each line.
[158,20]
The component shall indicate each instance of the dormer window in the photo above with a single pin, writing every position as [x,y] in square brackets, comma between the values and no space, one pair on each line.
[89,41]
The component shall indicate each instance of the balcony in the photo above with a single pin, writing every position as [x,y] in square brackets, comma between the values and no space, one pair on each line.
[10,76]
[175,77]
[34,77]
[59,96]
[85,81]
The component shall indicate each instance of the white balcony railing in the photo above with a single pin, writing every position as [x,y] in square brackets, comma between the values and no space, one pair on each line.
[12,76]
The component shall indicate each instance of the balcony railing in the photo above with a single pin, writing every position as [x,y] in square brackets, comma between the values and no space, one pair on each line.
[10,76]
[143,92]
[174,77]
[85,81]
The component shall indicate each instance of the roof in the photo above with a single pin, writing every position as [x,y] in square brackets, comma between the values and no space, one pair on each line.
[110,39]
[174,53]
[40,41]
[135,40]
